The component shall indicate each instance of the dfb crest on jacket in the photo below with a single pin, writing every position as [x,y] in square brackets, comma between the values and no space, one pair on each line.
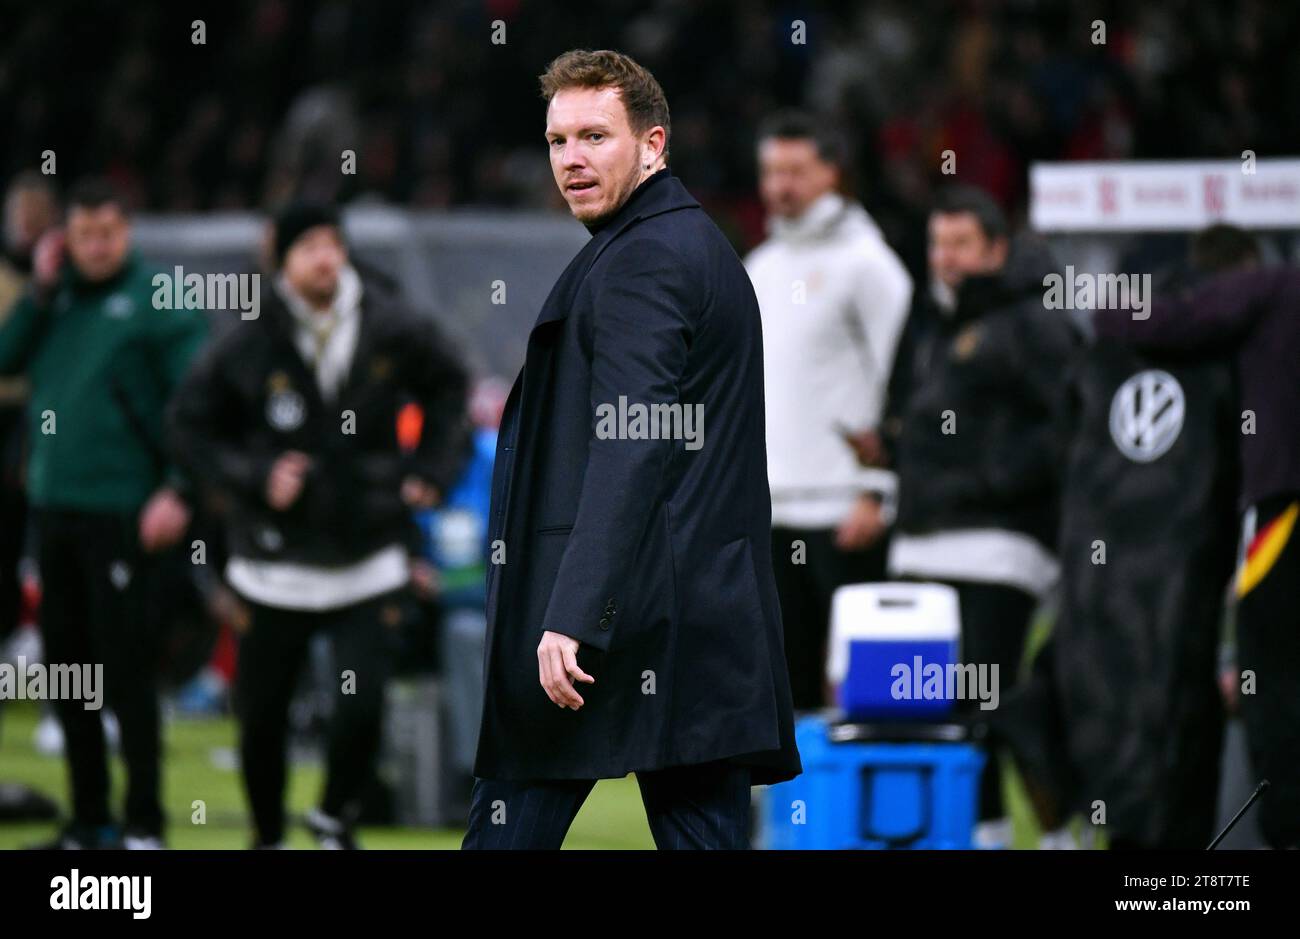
[285,407]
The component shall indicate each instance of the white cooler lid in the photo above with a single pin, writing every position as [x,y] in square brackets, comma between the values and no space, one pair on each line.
[889,612]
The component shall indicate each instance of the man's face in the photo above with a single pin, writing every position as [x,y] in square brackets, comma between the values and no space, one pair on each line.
[792,175]
[595,157]
[960,249]
[313,262]
[98,240]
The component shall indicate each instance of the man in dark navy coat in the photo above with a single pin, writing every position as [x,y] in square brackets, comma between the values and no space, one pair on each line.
[633,623]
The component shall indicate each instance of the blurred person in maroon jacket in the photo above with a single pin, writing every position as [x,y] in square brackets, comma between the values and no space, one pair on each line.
[1253,311]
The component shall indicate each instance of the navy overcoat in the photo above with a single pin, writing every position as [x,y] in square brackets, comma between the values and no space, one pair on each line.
[630,501]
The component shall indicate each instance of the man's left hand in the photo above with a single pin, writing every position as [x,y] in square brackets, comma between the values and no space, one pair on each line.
[163,520]
[863,526]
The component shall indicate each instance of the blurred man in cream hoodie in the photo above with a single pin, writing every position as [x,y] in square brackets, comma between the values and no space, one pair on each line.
[834,298]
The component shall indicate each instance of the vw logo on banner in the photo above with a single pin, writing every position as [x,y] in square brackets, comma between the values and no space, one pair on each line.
[1146,415]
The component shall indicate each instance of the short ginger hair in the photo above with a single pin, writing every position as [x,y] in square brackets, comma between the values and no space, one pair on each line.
[639,91]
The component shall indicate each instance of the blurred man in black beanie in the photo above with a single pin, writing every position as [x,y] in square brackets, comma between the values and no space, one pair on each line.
[294,419]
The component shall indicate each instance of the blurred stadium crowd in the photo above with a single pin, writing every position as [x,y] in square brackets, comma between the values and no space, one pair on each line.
[434,113]
[257,117]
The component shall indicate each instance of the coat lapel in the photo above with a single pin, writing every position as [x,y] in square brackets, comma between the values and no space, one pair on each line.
[661,193]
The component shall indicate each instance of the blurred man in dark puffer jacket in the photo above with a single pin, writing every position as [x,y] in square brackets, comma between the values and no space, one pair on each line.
[293,418]
[973,430]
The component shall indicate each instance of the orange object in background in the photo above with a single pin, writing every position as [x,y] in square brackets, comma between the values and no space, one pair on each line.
[410,424]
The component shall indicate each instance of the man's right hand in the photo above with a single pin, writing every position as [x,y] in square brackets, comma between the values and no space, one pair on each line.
[558,669]
[285,481]
[47,259]
[868,447]
[862,527]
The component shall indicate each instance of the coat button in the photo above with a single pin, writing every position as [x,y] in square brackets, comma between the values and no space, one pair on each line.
[604,622]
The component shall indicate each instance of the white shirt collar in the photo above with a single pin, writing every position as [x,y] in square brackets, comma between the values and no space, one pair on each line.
[815,221]
[327,339]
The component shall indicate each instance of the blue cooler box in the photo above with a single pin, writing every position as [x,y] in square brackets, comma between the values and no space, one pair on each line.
[873,795]
[885,639]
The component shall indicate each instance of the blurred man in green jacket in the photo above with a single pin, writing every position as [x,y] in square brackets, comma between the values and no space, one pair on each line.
[101,362]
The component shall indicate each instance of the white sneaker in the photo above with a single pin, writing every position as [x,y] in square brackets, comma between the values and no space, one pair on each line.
[1062,839]
[993,835]
[142,843]
[331,834]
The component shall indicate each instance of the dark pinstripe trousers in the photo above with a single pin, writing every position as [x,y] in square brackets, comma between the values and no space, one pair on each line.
[705,806]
